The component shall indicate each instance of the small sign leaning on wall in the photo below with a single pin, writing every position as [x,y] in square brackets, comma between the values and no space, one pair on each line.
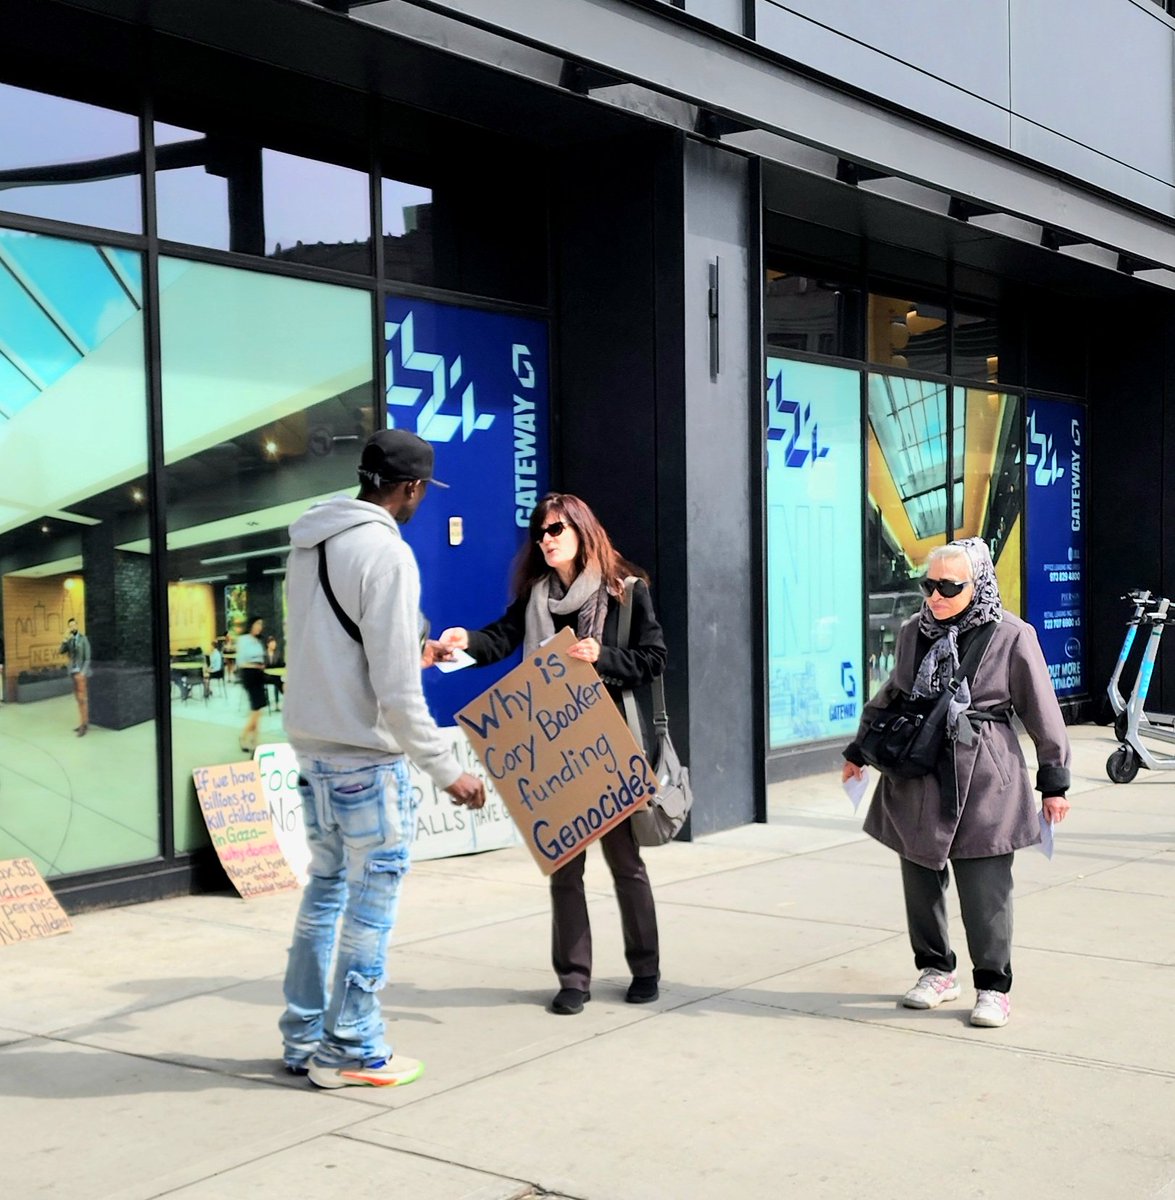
[237,815]
[559,752]
[28,909]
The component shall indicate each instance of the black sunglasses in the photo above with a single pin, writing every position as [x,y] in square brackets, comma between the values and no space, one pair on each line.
[554,529]
[945,587]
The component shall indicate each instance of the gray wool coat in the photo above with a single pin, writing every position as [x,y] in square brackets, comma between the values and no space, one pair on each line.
[997,808]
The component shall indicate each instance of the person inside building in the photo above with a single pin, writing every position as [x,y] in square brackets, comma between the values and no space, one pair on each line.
[978,809]
[569,574]
[274,660]
[76,648]
[251,673]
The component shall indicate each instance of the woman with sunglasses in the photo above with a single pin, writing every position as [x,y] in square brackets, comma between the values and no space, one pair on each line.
[978,809]
[569,574]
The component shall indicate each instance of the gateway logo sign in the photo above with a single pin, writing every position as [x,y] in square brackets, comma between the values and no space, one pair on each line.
[790,422]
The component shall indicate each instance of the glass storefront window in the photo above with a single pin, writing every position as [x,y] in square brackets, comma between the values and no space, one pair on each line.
[813,558]
[77,722]
[976,342]
[989,500]
[231,193]
[408,232]
[811,315]
[907,512]
[907,333]
[69,161]
[267,396]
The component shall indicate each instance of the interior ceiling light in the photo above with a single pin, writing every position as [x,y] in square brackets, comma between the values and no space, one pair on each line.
[223,558]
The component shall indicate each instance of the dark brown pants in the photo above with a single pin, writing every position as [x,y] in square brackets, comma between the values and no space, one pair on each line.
[571,934]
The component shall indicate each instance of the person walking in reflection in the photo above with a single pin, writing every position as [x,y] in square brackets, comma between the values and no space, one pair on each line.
[569,574]
[251,673]
[977,810]
[76,648]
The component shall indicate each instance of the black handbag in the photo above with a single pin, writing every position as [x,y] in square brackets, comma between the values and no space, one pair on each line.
[662,818]
[907,738]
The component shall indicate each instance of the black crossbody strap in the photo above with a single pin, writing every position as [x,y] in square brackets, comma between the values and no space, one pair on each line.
[970,660]
[324,578]
[623,637]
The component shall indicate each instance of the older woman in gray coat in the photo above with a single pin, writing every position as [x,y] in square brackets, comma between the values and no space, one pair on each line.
[979,808]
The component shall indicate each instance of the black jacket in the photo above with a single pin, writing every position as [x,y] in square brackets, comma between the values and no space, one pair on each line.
[633,666]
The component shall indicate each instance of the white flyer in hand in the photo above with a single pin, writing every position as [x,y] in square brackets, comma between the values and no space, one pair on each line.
[855,788]
[1046,836]
[459,660]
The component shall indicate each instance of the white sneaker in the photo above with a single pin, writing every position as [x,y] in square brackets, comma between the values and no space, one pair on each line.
[991,1010]
[932,988]
[378,1072]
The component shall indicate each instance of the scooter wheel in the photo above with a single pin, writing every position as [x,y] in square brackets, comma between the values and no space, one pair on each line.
[1122,765]
[1120,723]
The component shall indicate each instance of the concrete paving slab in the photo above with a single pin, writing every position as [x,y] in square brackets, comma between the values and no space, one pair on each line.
[701,949]
[83,1123]
[1097,921]
[341,1166]
[125,959]
[1053,998]
[11,1035]
[807,887]
[1153,876]
[747,1102]
[462,1024]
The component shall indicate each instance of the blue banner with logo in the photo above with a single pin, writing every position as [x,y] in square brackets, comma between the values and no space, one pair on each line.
[474,384]
[814,584]
[1055,514]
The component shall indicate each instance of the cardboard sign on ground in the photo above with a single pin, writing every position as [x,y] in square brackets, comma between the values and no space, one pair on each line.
[28,909]
[559,752]
[236,812]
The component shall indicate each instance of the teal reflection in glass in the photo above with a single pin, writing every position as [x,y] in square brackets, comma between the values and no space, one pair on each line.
[814,589]
[74,544]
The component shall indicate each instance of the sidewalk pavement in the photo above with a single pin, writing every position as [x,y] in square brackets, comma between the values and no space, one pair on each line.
[139,1054]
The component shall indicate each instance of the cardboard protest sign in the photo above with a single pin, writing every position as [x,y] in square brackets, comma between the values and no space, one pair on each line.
[559,752]
[28,909]
[442,828]
[237,815]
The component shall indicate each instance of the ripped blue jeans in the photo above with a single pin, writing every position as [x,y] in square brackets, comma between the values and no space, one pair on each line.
[360,823]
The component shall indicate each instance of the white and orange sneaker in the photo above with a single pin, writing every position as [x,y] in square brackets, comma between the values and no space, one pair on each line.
[378,1072]
[932,988]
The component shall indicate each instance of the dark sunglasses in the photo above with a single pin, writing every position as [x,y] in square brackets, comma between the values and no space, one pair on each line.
[554,529]
[945,587]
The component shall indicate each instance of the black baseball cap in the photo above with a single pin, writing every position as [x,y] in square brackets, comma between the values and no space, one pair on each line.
[396,455]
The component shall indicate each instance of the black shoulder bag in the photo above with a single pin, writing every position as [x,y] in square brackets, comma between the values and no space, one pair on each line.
[906,738]
[345,621]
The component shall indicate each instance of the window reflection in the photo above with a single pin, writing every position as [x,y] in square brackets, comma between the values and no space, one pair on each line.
[811,315]
[74,547]
[69,161]
[267,390]
[907,512]
[231,193]
[408,232]
[907,333]
[989,499]
[977,346]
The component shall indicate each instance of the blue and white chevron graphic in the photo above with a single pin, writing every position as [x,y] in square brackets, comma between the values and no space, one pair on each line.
[791,423]
[431,423]
[1042,455]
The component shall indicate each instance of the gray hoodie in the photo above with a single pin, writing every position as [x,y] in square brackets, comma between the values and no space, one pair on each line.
[345,702]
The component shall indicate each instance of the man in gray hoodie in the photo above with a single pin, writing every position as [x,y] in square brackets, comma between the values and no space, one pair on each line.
[354,713]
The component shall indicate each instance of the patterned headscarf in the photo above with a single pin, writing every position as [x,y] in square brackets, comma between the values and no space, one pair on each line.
[942,659]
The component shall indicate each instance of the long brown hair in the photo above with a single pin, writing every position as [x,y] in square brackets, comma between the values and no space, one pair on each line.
[595,546]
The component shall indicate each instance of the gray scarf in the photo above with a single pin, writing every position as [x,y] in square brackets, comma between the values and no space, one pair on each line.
[586,596]
[942,659]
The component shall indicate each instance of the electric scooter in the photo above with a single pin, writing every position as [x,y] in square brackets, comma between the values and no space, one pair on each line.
[1124,763]
[1141,601]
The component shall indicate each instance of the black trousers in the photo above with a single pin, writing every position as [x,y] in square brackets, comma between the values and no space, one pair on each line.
[571,933]
[985,898]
